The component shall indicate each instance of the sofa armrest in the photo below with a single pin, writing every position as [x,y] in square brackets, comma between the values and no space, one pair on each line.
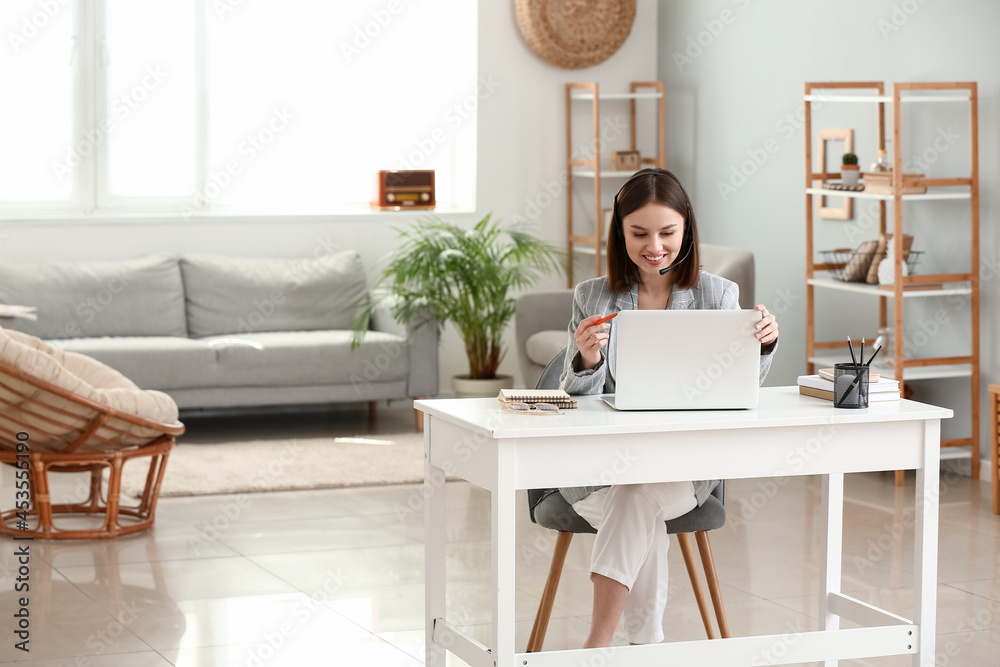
[421,337]
[539,311]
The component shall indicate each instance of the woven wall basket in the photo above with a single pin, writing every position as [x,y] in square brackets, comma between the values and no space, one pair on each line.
[574,34]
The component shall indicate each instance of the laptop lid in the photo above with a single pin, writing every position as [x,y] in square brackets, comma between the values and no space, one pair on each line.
[687,360]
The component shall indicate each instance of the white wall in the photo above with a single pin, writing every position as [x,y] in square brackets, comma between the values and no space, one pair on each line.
[520,151]
[741,92]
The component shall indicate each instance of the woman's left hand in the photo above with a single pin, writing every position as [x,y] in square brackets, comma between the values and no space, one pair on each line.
[767,328]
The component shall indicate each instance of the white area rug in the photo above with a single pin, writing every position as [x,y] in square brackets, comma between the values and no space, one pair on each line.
[278,465]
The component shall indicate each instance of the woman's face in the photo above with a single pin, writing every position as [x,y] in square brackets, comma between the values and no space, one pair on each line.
[653,238]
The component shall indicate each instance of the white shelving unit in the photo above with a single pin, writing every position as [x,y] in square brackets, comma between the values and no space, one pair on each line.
[594,170]
[820,353]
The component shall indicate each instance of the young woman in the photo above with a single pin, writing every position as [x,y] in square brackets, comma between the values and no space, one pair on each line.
[653,228]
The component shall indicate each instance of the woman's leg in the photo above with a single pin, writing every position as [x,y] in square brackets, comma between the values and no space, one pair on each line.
[629,564]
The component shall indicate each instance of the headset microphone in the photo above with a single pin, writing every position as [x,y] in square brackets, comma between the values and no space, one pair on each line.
[681,260]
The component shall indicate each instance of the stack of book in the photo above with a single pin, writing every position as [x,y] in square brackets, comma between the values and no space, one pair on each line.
[556,397]
[821,386]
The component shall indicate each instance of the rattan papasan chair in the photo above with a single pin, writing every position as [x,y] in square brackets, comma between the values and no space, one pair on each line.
[65,412]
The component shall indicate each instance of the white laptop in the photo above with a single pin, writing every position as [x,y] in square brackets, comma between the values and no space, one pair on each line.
[686,360]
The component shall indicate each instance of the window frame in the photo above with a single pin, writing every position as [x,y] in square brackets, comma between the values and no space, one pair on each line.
[90,196]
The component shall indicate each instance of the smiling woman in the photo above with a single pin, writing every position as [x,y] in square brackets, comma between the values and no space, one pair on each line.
[235,107]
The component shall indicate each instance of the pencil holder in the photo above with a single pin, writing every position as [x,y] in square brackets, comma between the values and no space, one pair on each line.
[850,386]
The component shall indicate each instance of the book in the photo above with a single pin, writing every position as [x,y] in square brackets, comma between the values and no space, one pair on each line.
[828,374]
[818,382]
[828,395]
[24,312]
[556,397]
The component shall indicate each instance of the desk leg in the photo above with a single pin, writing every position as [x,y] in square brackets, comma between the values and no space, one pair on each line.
[925,550]
[435,519]
[503,558]
[833,550]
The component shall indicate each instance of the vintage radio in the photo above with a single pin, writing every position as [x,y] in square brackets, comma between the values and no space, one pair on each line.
[396,190]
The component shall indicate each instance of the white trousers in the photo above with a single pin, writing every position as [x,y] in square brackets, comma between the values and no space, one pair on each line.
[631,546]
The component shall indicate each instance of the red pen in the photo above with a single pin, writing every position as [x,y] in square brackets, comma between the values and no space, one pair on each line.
[603,320]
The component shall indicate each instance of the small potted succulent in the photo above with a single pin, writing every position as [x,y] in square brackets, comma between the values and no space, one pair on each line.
[849,169]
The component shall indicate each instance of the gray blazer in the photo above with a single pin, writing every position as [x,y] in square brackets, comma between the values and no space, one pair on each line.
[594,297]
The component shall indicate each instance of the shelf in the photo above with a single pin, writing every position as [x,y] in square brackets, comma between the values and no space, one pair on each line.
[875,290]
[888,197]
[884,99]
[892,114]
[587,95]
[579,242]
[827,360]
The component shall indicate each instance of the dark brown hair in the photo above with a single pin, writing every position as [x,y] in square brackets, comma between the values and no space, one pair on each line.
[651,186]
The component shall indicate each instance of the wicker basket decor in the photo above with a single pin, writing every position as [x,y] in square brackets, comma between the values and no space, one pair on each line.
[574,34]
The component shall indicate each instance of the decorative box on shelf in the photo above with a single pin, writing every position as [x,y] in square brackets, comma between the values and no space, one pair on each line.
[881,183]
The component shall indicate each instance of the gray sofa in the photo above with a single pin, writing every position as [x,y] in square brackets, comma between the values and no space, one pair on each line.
[541,318]
[214,331]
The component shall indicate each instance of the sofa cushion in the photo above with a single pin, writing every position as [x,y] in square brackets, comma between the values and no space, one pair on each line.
[136,297]
[232,295]
[274,358]
[544,345]
[152,362]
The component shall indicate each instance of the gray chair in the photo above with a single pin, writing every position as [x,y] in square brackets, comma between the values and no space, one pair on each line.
[549,509]
[541,318]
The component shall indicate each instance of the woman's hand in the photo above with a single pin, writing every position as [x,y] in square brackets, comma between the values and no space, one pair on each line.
[590,339]
[767,328]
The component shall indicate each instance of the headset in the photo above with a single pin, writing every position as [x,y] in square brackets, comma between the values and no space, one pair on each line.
[618,225]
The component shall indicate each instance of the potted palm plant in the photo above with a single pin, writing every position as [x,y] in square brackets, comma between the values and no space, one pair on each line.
[444,272]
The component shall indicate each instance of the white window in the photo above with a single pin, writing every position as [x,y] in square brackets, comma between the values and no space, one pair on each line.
[232,107]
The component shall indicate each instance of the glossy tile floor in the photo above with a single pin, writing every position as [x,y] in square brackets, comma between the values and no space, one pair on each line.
[335,577]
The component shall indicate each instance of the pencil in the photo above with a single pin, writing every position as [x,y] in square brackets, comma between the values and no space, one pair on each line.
[603,320]
[862,351]
[873,356]
[850,346]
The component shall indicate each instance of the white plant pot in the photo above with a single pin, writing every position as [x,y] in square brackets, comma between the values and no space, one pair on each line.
[849,176]
[467,388]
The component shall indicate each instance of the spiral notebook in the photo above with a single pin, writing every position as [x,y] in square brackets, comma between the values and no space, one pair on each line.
[556,397]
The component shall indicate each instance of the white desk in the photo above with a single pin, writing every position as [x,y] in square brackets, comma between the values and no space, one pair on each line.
[787,434]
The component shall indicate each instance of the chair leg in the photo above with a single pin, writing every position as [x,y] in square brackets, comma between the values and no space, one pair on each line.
[708,561]
[549,594]
[687,550]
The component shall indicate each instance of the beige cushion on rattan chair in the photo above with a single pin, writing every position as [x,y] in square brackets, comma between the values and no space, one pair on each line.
[86,378]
